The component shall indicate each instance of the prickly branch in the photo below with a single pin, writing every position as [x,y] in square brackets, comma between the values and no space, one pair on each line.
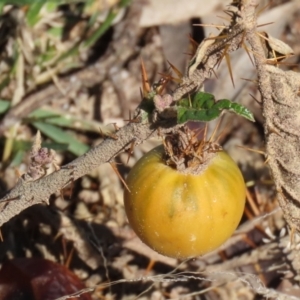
[242,28]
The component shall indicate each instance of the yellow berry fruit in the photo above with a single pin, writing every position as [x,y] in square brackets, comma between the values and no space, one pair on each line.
[184,215]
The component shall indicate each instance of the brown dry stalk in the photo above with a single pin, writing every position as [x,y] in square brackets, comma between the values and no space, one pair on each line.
[281,110]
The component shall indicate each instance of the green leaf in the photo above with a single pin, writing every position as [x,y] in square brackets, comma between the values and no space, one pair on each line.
[5,82]
[124,3]
[203,100]
[197,101]
[236,108]
[17,158]
[32,2]
[101,30]
[1,7]
[51,6]
[199,108]
[56,31]
[201,115]
[32,15]
[68,121]
[25,146]
[203,107]
[60,136]
[21,148]
[69,53]
[21,2]
[4,106]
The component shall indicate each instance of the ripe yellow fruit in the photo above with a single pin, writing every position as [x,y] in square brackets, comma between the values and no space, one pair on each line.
[184,215]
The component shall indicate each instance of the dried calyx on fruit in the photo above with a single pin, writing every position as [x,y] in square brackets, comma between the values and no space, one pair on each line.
[186,153]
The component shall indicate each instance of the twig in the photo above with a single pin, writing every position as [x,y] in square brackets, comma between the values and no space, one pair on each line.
[27,193]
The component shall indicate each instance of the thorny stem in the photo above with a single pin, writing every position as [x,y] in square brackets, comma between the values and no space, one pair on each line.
[27,193]
[250,25]
[280,105]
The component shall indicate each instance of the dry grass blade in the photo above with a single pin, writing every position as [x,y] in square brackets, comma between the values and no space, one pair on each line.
[145,82]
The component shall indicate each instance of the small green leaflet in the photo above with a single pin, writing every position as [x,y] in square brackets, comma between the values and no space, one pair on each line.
[203,107]
[238,109]
[199,101]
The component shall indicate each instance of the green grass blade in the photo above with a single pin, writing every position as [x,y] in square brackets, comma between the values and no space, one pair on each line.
[124,3]
[17,158]
[21,148]
[60,136]
[16,2]
[101,30]
[68,121]
[4,106]
[32,15]
[1,7]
